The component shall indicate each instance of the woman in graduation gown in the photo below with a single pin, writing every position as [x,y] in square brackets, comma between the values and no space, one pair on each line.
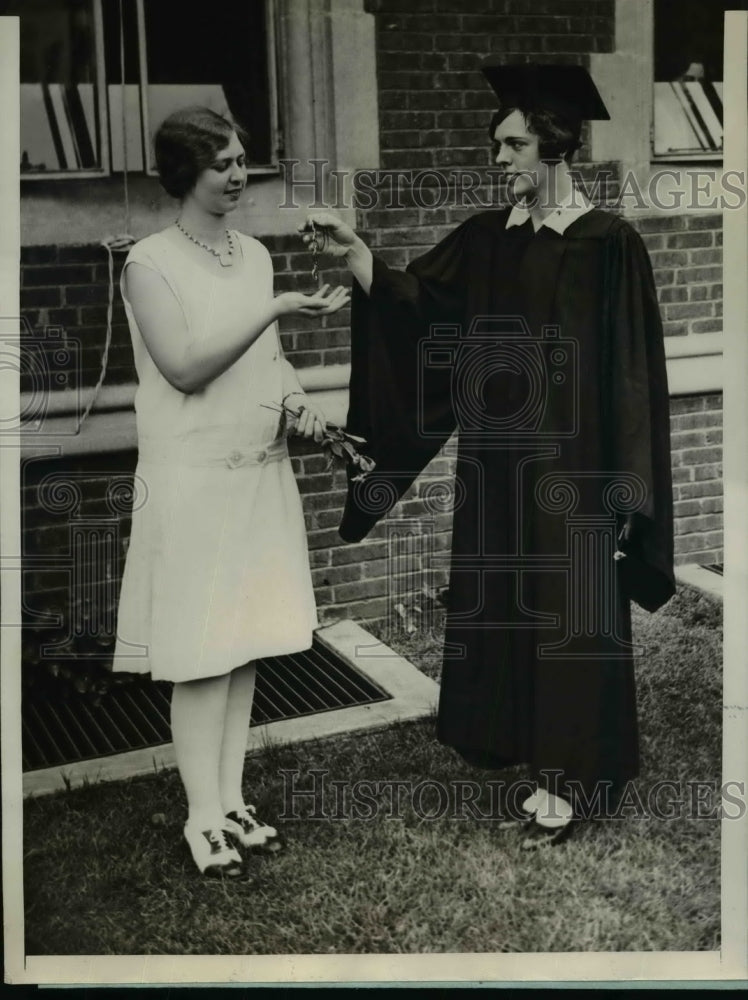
[535,332]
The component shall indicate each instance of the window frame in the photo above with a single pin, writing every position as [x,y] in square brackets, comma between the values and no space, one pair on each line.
[695,156]
[261,169]
[143,127]
[685,156]
[102,108]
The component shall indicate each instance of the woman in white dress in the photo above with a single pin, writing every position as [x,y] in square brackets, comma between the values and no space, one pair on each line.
[217,571]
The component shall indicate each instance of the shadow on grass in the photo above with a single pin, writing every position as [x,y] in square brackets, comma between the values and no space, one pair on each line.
[107,872]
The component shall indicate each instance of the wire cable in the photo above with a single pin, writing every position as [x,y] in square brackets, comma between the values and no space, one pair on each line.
[121,242]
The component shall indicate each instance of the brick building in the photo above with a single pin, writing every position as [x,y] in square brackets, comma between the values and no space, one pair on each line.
[387,85]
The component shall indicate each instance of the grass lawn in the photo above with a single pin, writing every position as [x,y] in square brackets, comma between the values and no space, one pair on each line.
[106,870]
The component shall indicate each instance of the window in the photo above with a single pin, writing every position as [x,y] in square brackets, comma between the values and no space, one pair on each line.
[61,85]
[99,76]
[221,62]
[688,73]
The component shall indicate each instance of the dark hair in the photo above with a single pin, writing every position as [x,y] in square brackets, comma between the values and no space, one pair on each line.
[558,134]
[187,142]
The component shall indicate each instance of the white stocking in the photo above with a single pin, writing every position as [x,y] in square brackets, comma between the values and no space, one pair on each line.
[236,729]
[198,713]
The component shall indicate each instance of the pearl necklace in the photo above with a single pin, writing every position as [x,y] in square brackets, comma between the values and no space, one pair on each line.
[225,259]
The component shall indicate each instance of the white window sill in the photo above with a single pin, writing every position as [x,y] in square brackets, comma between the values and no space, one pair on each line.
[111,424]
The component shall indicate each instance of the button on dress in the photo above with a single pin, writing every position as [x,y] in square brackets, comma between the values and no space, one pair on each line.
[217,570]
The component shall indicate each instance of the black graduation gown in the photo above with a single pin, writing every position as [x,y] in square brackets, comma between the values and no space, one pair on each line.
[546,352]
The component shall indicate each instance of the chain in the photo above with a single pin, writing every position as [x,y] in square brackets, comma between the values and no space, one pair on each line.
[317,245]
[314,246]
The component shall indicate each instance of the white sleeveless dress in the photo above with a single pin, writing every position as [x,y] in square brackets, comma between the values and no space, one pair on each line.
[217,571]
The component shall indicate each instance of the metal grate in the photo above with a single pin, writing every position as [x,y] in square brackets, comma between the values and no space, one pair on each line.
[135,716]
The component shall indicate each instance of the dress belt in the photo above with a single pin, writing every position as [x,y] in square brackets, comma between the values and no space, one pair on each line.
[210,451]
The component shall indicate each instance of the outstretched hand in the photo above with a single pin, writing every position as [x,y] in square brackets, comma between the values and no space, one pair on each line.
[321,303]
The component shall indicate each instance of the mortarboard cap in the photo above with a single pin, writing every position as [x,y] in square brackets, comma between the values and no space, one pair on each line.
[566,89]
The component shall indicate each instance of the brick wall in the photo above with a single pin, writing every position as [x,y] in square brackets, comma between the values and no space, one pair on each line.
[686,254]
[696,437]
[66,287]
[433,100]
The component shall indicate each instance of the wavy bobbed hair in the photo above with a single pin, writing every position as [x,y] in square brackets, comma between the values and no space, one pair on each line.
[187,142]
[558,134]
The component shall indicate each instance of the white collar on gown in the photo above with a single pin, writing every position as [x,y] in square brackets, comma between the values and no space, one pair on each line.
[571,208]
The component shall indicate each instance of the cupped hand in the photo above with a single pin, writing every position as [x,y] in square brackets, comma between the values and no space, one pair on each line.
[334,237]
[321,303]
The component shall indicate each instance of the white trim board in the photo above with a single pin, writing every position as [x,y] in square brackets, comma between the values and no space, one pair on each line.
[111,426]
[703,579]
[414,696]
[694,366]
[694,363]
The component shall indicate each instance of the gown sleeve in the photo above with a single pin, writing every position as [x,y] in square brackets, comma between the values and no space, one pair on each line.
[399,402]
[639,417]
